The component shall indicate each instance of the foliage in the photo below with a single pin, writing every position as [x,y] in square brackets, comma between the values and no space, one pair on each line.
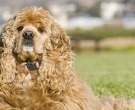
[100,33]
[109,73]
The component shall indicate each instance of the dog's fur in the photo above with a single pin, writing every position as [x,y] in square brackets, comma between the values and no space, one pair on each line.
[55,85]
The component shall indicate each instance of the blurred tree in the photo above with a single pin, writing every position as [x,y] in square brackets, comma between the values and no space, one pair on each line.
[98,34]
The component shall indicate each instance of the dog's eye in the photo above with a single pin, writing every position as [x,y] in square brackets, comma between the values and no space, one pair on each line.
[40,30]
[20,28]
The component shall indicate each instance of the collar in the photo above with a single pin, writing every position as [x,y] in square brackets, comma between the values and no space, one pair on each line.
[32,66]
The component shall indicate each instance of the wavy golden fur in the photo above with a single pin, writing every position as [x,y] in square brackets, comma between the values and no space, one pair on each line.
[54,85]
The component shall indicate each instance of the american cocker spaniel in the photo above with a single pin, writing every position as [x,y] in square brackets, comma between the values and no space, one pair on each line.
[36,67]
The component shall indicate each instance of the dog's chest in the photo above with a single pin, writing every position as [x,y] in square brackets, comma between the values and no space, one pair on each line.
[27,79]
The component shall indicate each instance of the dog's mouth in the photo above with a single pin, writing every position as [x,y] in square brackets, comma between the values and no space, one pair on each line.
[31,66]
[28,59]
[26,51]
[27,54]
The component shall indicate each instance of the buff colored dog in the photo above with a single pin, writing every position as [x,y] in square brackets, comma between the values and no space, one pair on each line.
[36,68]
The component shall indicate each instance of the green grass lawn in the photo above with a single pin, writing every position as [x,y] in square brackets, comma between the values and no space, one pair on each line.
[108,73]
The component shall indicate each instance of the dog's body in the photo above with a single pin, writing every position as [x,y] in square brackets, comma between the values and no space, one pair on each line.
[36,67]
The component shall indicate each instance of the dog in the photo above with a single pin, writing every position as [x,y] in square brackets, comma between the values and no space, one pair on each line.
[36,67]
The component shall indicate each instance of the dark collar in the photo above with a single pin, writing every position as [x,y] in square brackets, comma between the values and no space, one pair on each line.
[33,66]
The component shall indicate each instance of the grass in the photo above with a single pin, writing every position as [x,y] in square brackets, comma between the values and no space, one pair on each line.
[108,73]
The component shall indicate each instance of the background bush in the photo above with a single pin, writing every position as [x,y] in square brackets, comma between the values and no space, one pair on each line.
[100,33]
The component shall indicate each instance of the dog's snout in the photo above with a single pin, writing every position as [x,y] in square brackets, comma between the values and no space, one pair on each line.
[28,35]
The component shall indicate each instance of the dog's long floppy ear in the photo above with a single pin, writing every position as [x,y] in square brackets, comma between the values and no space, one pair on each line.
[59,39]
[56,63]
[7,60]
[8,34]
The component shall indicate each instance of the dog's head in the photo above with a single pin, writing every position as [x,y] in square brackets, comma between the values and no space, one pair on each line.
[36,33]
[32,37]
[32,27]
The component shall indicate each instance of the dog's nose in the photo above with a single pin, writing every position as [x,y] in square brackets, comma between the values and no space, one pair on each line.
[28,35]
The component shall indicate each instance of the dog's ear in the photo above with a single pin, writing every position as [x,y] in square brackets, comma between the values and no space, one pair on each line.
[7,34]
[7,60]
[59,39]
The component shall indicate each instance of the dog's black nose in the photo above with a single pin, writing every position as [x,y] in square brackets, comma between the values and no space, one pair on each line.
[28,35]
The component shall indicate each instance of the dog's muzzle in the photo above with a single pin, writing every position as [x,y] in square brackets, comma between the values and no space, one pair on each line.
[28,42]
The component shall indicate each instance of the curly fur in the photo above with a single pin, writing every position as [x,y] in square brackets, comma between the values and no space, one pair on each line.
[54,85]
